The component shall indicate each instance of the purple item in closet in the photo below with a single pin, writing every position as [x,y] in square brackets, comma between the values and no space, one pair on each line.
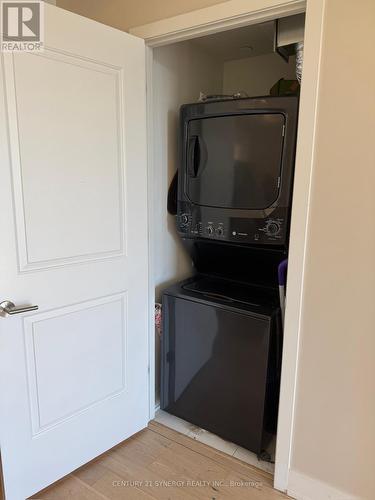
[281,271]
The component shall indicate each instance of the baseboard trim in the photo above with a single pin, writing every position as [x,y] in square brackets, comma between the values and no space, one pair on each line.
[303,487]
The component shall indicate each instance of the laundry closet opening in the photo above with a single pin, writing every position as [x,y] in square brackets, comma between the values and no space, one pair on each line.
[224,68]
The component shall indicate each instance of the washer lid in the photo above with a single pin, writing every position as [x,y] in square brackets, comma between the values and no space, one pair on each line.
[233,293]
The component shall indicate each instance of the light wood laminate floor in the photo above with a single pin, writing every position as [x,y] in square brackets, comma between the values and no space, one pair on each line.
[159,463]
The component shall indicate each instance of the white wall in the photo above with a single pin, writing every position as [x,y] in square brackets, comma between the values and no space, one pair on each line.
[256,75]
[180,72]
[333,453]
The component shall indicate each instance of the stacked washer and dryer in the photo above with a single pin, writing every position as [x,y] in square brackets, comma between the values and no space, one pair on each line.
[222,329]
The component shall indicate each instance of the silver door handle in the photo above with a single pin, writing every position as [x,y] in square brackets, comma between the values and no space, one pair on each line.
[7,308]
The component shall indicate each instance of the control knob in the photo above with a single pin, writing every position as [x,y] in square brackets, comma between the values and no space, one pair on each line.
[220,231]
[210,230]
[184,219]
[272,228]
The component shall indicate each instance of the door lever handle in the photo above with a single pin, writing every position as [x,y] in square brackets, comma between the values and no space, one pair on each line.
[7,308]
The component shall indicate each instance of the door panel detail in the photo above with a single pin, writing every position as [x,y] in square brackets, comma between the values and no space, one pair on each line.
[76,358]
[61,216]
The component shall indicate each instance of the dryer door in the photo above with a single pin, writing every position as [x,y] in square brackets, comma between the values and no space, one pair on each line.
[235,161]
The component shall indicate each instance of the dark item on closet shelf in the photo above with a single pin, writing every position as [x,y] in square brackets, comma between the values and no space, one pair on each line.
[172,195]
[285,87]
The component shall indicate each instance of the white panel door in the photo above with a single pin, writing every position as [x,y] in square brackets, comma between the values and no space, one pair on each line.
[73,214]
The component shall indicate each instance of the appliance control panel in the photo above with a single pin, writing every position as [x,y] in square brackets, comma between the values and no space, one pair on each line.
[269,230]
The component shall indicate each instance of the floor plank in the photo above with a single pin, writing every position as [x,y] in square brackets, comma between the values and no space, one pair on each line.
[222,458]
[162,464]
[68,488]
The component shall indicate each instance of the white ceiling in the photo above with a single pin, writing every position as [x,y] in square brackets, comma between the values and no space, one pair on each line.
[233,44]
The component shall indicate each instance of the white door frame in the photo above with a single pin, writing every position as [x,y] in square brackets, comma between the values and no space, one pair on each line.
[229,15]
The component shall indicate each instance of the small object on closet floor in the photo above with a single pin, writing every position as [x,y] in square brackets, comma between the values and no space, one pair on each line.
[264,456]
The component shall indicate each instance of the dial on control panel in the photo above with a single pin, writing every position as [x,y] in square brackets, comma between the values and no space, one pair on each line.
[272,228]
[184,218]
[210,230]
